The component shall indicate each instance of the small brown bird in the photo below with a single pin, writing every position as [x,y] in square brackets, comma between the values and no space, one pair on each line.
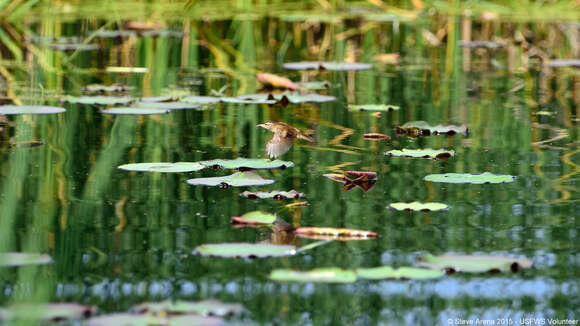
[284,135]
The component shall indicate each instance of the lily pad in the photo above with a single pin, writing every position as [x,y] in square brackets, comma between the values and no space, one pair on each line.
[418,206]
[318,275]
[134,111]
[98,100]
[210,307]
[275,194]
[125,319]
[245,250]
[29,109]
[246,164]
[74,47]
[238,179]
[201,99]
[560,63]
[157,99]
[98,88]
[168,105]
[422,128]
[387,272]
[288,97]
[472,178]
[255,218]
[474,263]
[422,153]
[247,100]
[325,233]
[375,136]
[46,311]
[162,167]
[320,65]
[374,107]
[21,259]
[275,81]
[315,85]
[482,44]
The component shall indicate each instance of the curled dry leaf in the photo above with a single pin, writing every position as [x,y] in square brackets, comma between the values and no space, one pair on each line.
[276,81]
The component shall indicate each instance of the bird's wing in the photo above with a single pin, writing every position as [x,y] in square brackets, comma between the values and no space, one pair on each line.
[278,146]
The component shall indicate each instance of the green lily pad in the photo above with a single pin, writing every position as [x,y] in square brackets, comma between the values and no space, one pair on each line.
[46,311]
[320,65]
[245,250]
[201,99]
[474,263]
[341,234]
[418,207]
[157,99]
[134,111]
[238,179]
[210,307]
[472,178]
[247,100]
[422,128]
[289,97]
[387,272]
[162,167]
[20,259]
[318,275]
[374,107]
[168,105]
[255,218]
[107,33]
[315,85]
[74,47]
[275,194]
[29,109]
[98,100]
[422,153]
[125,319]
[245,164]
[98,88]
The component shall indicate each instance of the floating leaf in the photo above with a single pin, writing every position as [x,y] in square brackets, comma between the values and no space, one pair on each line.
[255,218]
[128,70]
[115,33]
[29,109]
[20,259]
[247,100]
[74,47]
[124,319]
[473,178]
[560,63]
[98,100]
[418,207]
[201,99]
[245,164]
[422,153]
[387,272]
[475,263]
[375,136]
[245,250]
[163,167]
[275,81]
[275,194]
[134,111]
[374,107]
[238,179]
[422,128]
[157,99]
[315,85]
[115,88]
[288,97]
[168,105]
[482,44]
[323,233]
[364,180]
[388,58]
[46,311]
[320,65]
[210,307]
[320,275]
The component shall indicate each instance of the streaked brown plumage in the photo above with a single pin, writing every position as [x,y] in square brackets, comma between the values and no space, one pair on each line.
[284,135]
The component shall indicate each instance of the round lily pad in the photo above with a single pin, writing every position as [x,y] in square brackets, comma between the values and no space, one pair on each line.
[387,272]
[245,164]
[320,65]
[319,275]
[207,307]
[315,85]
[418,207]
[422,128]
[157,99]
[238,179]
[255,218]
[46,311]
[168,105]
[162,167]
[374,107]
[98,88]
[125,319]
[245,250]
[289,97]
[21,259]
[134,111]
[275,194]
[375,136]
[201,99]
[475,263]
[29,109]
[98,100]
[325,233]
[422,153]
[472,178]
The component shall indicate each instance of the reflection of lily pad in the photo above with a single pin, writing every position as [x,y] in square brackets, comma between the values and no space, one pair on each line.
[387,272]
[290,97]
[134,111]
[320,65]
[364,180]
[46,311]
[422,128]
[29,109]
[208,307]
[125,319]
[255,218]
[275,194]
[422,153]
[98,100]
[322,275]
[324,233]
[245,164]
[473,178]
[238,179]
[374,107]
[245,250]
[20,259]
[168,105]
[475,263]
[418,207]
[163,167]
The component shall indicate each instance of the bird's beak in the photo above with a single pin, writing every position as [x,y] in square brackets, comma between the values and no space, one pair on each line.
[260,125]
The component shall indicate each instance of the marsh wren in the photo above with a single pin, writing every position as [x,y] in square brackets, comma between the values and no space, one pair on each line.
[284,135]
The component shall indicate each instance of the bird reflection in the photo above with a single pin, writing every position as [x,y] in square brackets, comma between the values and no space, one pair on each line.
[284,135]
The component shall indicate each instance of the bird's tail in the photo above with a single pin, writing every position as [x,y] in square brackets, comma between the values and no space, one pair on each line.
[307,138]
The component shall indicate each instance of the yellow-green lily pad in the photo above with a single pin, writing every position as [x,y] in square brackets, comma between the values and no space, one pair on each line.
[288,97]
[418,206]
[29,109]
[20,259]
[318,275]
[177,105]
[126,319]
[474,263]
[238,179]
[471,178]
[245,164]
[162,167]
[98,100]
[387,272]
[209,307]
[46,311]
[134,111]
[322,65]
[429,153]
[245,250]
[374,107]
[255,218]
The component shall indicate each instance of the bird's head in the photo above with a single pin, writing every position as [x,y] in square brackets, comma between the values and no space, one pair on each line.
[268,125]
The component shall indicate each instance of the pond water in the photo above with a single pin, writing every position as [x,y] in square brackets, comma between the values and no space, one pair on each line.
[120,238]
